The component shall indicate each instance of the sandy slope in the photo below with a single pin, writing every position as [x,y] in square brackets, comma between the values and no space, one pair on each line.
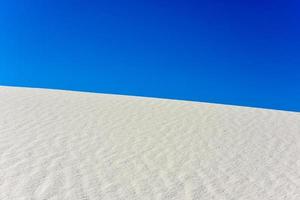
[71,145]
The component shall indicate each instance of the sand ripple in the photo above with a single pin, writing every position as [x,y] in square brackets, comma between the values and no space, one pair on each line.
[68,145]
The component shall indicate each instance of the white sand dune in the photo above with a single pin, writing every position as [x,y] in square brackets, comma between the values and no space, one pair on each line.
[82,146]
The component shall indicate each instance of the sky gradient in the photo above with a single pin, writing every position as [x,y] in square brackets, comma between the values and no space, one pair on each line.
[231,52]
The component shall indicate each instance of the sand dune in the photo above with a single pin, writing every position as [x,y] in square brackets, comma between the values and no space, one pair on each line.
[84,146]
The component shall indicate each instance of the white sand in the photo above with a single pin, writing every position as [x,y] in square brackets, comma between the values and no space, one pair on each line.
[85,146]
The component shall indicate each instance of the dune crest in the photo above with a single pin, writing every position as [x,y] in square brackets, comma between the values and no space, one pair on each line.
[72,145]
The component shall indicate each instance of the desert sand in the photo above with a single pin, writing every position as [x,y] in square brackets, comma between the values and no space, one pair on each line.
[83,146]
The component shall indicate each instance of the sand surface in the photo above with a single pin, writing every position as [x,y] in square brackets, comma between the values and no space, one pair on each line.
[82,146]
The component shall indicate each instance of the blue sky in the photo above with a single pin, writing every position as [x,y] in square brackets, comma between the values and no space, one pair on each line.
[232,52]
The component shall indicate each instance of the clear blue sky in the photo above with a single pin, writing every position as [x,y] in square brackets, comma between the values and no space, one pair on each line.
[233,52]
